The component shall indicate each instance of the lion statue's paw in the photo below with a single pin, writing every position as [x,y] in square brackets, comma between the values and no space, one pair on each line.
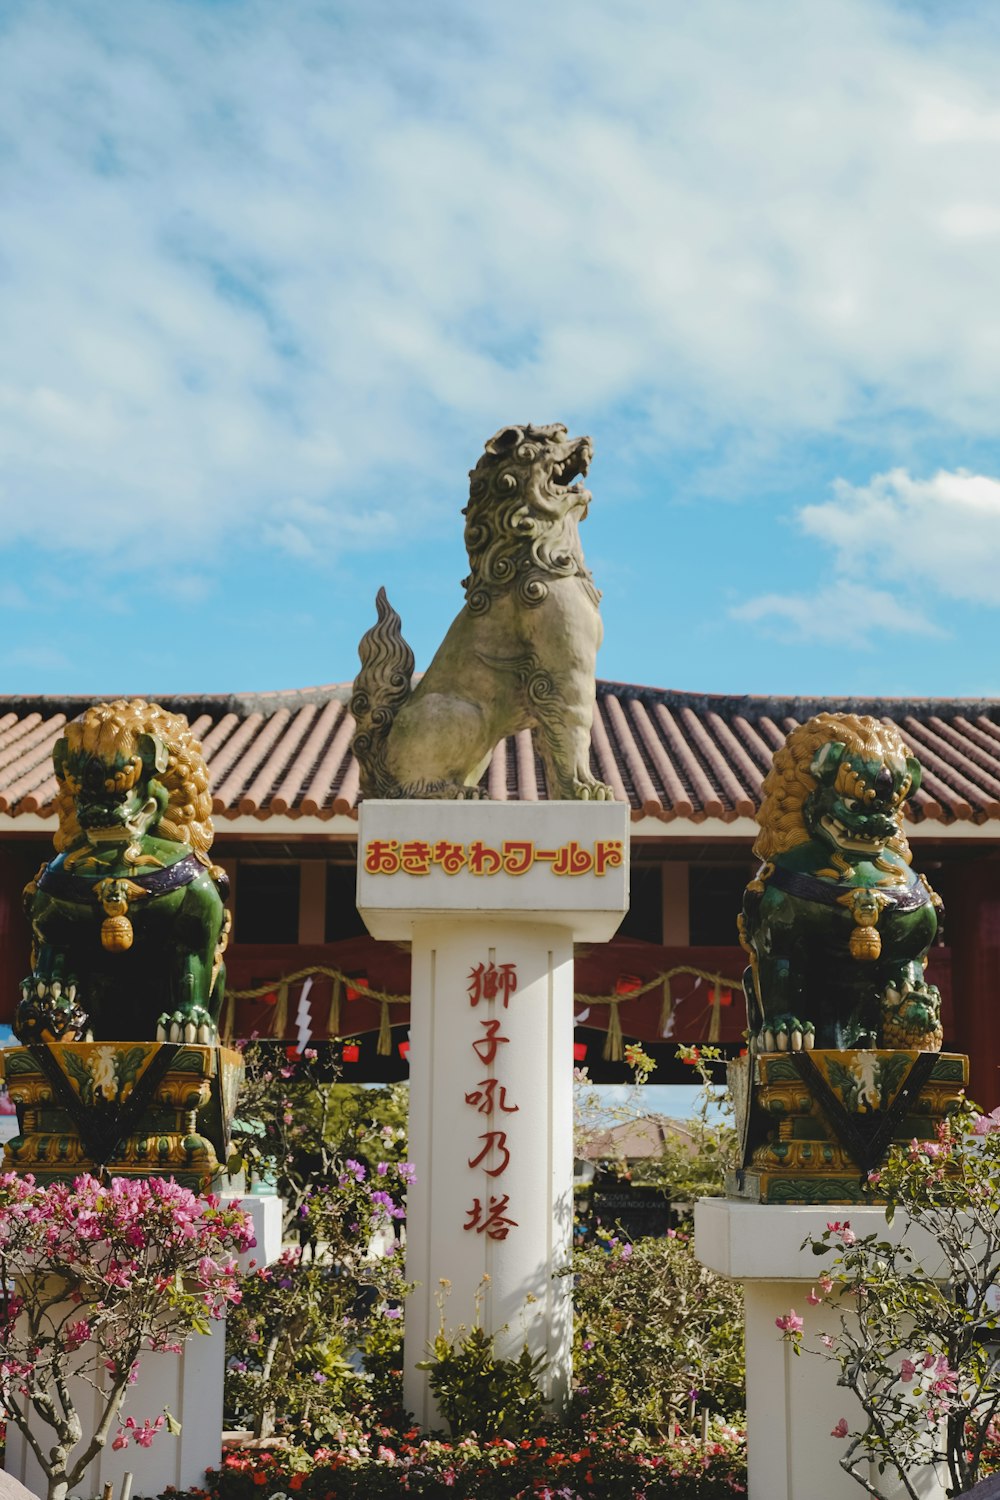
[787,1033]
[193,1028]
[49,1012]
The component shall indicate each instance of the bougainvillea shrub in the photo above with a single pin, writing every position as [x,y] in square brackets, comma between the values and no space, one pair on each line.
[658,1339]
[91,1275]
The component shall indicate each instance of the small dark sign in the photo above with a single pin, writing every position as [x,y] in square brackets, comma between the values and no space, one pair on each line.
[639,1211]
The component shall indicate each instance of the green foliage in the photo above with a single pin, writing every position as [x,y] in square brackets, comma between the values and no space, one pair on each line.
[916,1337]
[382,1356]
[478,1393]
[658,1338]
[299,1345]
[694,1161]
[294,1126]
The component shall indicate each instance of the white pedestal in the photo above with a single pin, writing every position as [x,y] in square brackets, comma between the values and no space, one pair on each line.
[190,1384]
[491,1059]
[793,1402]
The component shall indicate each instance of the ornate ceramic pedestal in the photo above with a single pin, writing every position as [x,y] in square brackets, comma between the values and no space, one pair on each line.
[816,1123]
[135,1109]
[492,897]
[793,1403]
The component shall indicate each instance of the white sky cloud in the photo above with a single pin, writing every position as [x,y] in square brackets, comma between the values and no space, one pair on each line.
[841,613]
[902,546]
[943,531]
[267,262]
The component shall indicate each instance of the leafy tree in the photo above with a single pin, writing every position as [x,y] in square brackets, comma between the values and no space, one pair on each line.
[297,1343]
[294,1125]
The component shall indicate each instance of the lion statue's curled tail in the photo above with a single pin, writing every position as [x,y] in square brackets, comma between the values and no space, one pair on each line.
[380,690]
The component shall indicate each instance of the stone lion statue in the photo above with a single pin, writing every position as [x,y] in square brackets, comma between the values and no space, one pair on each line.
[128,920]
[520,654]
[835,923]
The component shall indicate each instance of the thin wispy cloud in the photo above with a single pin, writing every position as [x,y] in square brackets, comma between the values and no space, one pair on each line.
[901,548]
[942,532]
[269,266]
[841,613]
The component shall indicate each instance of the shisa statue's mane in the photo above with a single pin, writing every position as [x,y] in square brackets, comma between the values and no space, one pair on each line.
[790,779]
[111,732]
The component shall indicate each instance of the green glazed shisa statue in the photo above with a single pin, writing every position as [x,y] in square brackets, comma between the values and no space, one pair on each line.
[836,923]
[128,920]
[121,1070]
[844,1029]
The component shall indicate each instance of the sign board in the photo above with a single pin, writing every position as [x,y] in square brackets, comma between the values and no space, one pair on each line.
[550,862]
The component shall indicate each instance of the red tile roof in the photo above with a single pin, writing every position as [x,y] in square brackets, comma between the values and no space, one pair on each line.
[674,756]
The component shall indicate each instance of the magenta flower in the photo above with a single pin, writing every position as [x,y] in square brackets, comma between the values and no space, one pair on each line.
[841,1429]
[790,1322]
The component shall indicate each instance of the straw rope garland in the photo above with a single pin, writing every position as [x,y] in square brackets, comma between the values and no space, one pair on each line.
[614,1044]
[614,1049]
[338,980]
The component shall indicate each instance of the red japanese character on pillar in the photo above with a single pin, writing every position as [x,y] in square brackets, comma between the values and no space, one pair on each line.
[490,1094]
[608,855]
[493,1138]
[518,856]
[492,1220]
[451,857]
[486,1047]
[572,860]
[415,857]
[492,981]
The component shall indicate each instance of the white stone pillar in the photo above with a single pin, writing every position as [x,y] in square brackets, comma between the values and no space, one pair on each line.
[492,897]
[189,1383]
[794,1402]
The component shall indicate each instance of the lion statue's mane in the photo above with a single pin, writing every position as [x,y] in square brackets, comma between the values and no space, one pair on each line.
[790,779]
[111,732]
[514,534]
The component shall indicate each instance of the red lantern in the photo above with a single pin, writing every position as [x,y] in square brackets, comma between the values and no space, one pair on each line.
[627,984]
[579,1052]
[404,1050]
[356,986]
[350,1052]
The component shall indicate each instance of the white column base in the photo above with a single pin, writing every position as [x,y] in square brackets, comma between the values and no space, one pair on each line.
[793,1402]
[190,1384]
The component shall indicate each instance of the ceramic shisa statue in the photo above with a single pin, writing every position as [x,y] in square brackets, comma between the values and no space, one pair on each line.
[121,1070]
[844,1030]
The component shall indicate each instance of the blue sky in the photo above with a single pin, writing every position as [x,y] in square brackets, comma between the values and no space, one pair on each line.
[271,274]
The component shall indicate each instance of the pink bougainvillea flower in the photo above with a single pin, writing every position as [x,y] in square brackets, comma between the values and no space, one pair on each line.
[789,1322]
[840,1430]
[812,1298]
[907,1370]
